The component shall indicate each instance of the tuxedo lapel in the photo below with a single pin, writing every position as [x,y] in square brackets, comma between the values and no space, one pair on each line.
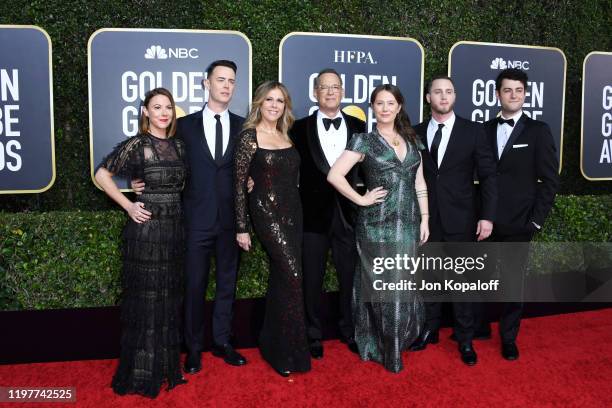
[491,132]
[516,132]
[314,144]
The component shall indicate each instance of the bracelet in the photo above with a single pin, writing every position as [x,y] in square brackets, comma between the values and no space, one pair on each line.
[424,214]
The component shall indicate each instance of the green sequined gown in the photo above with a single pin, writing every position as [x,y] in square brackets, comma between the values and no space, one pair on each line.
[386,322]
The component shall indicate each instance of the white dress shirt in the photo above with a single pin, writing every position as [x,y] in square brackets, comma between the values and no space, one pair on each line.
[432,128]
[504,131]
[333,141]
[210,128]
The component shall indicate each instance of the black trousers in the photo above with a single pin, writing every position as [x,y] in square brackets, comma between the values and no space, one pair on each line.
[201,245]
[512,261]
[341,240]
[462,311]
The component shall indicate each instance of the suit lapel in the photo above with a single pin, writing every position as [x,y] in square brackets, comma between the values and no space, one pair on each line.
[453,143]
[233,134]
[516,132]
[426,154]
[198,127]
[314,144]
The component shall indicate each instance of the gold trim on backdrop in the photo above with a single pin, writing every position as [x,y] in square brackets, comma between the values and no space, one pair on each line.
[525,46]
[582,119]
[52,117]
[154,30]
[375,37]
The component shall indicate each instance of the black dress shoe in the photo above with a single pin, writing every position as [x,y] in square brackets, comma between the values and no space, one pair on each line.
[427,337]
[282,373]
[193,362]
[316,349]
[510,351]
[229,355]
[468,354]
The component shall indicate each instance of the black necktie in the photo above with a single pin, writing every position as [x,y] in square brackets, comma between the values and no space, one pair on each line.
[436,143]
[218,140]
[327,122]
[501,121]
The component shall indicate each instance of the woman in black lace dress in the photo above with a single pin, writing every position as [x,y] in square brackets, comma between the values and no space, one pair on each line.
[265,153]
[152,249]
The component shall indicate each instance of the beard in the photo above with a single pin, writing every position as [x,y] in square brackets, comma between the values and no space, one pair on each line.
[443,110]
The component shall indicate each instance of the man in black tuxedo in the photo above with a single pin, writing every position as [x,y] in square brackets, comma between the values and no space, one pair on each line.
[208,202]
[456,150]
[525,153]
[328,217]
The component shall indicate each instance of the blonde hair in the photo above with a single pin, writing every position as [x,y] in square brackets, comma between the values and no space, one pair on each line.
[284,122]
[144,120]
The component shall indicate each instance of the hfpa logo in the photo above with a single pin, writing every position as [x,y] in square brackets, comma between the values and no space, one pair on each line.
[499,63]
[158,52]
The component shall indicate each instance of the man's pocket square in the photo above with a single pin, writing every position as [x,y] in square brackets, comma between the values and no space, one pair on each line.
[518,146]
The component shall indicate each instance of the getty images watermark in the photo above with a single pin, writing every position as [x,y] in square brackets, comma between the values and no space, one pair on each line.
[404,263]
[486,272]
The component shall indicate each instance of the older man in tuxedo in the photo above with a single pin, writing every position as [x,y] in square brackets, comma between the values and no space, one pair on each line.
[328,217]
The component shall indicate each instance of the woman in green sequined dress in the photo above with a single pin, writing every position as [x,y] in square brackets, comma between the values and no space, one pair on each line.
[392,220]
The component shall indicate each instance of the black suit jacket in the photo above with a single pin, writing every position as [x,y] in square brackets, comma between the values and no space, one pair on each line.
[318,196]
[452,194]
[208,196]
[530,154]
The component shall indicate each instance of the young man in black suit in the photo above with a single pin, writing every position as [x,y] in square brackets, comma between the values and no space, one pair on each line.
[527,181]
[328,217]
[208,202]
[456,150]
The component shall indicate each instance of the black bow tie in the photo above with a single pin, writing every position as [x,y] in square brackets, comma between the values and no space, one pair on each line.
[327,122]
[501,121]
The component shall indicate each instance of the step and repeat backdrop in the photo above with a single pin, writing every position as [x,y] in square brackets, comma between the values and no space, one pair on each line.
[596,134]
[27,157]
[125,63]
[475,65]
[362,61]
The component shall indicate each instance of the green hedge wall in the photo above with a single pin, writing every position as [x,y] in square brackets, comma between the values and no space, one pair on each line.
[72,259]
[576,27]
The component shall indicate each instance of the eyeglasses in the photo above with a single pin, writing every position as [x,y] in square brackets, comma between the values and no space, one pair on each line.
[332,88]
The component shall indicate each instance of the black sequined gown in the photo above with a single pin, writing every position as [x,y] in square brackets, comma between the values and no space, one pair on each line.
[275,212]
[152,275]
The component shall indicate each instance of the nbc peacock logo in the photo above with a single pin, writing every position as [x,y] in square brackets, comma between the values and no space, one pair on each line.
[498,63]
[156,52]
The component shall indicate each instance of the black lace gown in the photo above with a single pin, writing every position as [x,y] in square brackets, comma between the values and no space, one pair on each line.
[276,214]
[152,275]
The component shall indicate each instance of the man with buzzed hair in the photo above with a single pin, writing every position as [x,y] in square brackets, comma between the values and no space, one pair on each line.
[328,217]
[456,150]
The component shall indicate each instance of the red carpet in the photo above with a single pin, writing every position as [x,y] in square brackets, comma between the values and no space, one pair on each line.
[565,361]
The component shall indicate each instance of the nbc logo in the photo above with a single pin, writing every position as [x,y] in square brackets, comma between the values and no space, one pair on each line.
[498,63]
[155,52]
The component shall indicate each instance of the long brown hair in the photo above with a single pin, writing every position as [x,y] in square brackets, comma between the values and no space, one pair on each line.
[402,121]
[284,122]
[144,120]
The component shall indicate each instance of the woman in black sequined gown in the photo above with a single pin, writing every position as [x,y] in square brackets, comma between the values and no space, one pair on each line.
[152,249]
[264,153]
